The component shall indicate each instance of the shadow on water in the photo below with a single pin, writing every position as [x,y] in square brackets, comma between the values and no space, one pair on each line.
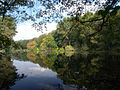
[8,74]
[100,71]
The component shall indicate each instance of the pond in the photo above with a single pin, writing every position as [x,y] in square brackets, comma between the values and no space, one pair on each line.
[85,71]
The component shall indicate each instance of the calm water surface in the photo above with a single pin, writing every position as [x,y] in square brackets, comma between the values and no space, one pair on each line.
[28,71]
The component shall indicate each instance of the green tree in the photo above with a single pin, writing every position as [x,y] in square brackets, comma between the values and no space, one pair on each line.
[7,31]
[22,43]
[48,43]
[39,40]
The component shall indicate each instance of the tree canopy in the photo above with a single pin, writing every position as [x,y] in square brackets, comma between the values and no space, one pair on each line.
[54,10]
[78,28]
[70,32]
[7,31]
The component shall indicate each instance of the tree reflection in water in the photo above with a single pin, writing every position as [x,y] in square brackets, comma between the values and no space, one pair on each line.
[101,72]
[84,71]
[8,74]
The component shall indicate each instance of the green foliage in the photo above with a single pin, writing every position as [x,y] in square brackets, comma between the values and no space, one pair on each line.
[32,46]
[22,43]
[48,42]
[76,34]
[69,53]
[69,48]
[61,50]
[7,31]
[65,6]
[39,40]
[36,50]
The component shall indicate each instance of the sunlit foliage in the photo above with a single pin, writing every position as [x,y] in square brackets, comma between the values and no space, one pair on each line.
[48,42]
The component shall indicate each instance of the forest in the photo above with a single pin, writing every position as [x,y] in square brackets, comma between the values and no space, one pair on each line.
[89,31]
[72,35]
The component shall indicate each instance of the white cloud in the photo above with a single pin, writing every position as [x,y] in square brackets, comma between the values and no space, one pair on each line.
[38,68]
[26,31]
[30,69]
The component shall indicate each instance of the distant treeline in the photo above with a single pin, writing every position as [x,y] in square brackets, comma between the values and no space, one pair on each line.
[85,34]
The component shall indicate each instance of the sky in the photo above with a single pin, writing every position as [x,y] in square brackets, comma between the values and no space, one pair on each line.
[25,31]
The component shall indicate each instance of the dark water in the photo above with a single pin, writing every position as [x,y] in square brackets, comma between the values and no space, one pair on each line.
[28,71]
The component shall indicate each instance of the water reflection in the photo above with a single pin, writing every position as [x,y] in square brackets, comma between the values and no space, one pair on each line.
[101,72]
[37,77]
[62,72]
[8,75]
